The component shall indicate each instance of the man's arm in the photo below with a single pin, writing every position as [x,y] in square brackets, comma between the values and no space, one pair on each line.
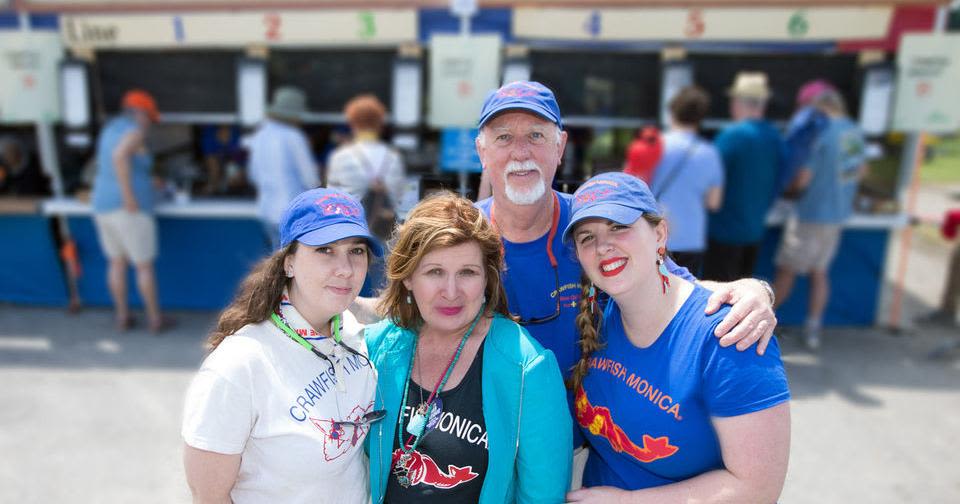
[751,318]
[303,158]
[122,153]
[714,198]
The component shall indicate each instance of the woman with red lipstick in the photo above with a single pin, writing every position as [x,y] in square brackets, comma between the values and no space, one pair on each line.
[280,408]
[476,408]
[669,414]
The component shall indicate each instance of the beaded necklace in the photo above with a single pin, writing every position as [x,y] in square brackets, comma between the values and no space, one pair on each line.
[418,420]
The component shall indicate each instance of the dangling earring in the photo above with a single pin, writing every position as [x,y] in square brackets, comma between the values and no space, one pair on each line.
[290,273]
[484,300]
[409,299]
[662,269]
[592,297]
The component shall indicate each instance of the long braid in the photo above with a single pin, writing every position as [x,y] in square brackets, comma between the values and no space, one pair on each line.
[586,321]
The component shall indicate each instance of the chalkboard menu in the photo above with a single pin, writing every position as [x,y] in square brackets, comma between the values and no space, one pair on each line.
[184,82]
[610,84]
[331,77]
[785,73]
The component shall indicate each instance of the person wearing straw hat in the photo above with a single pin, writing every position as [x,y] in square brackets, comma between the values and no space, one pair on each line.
[122,202]
[754,155]
[281,164]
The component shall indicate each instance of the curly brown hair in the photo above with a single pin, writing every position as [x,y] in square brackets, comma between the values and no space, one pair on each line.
[440,221]
[256,298]
[588,321]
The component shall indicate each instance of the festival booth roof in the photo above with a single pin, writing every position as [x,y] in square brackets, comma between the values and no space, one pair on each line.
[185,5]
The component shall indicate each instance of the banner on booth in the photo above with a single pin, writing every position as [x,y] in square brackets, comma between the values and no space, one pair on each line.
[714,24]
[326,27]
[928,94]
[28,63]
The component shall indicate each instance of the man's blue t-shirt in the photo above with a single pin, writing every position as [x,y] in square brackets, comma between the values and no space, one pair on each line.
[532,289]
[646,411]
[107,195]
[754,156]
[689,169]
[836,156]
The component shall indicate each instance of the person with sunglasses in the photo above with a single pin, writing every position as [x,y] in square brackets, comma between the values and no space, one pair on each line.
[669,414]
[281,407]
[476,407]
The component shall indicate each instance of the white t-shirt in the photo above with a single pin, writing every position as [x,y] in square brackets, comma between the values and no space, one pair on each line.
[262,395]
[348,172]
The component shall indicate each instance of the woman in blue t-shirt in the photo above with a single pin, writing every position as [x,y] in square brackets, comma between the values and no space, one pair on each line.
[670,415]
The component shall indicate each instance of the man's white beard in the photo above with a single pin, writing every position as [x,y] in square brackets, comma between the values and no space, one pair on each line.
[528,196]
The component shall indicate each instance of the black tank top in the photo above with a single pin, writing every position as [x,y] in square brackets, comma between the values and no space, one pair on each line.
[450,462]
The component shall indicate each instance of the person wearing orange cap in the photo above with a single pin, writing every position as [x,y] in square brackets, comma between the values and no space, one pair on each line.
[122,204]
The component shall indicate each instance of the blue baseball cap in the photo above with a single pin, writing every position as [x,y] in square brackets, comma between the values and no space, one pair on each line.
[321,216]
[522,95]
[616,196]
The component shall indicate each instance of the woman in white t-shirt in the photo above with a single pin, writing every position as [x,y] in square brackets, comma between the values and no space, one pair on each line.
[279,409]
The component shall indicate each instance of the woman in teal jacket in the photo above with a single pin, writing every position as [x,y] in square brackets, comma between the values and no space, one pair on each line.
[485,415]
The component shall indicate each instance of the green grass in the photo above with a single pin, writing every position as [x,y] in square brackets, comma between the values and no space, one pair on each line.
[944,168]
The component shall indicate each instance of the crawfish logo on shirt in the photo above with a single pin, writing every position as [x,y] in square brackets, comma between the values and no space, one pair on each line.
[599,421]
[423,470]
[339,438]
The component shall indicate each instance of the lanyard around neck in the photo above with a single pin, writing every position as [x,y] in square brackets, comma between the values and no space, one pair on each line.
[553,227]
[282,324]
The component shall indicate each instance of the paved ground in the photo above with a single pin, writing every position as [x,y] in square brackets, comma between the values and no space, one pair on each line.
[91,416]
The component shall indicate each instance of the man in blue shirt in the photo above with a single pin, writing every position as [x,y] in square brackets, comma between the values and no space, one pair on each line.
[520,144]
[122,202]
[754,155]
[689,179]
[829,180]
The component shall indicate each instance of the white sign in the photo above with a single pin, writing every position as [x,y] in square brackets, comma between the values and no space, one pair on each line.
[233,29]
[928,94]
[28,72]
[758,23]
[463,70]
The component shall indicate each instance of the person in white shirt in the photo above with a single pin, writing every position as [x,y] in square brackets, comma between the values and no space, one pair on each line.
[279,410]
[281,164]
[366,162]
[371,171]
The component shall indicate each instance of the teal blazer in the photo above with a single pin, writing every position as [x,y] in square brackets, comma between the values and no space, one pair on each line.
[529,430]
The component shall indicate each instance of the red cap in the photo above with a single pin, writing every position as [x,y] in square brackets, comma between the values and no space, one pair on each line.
[141,100]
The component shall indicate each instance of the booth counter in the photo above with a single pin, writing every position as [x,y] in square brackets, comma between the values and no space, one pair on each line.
[856,274]
[30,270]
[206,247]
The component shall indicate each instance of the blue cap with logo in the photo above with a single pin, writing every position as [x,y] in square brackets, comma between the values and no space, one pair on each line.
[522,95]
[321,216]
[615,196]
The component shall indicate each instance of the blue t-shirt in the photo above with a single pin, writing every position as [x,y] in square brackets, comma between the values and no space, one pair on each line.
[754,156]
[835,158]
[532,289]
[646,411]
[690,167]
[106,195]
